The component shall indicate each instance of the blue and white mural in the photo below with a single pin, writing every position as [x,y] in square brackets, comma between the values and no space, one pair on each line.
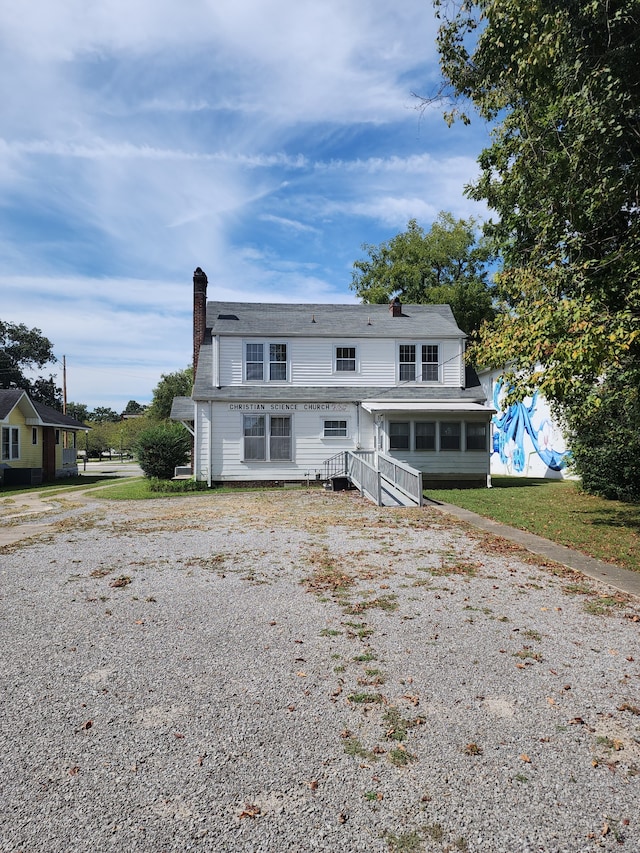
[526,442]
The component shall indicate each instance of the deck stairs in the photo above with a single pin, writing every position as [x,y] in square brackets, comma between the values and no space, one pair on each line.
[379,477]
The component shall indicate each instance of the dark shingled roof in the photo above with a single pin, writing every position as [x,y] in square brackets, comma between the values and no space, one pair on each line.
[9,397]
[301,320]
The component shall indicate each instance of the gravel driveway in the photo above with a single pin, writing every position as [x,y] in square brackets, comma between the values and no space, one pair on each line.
[303,671]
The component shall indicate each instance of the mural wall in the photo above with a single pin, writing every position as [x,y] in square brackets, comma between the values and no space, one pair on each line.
[525,440]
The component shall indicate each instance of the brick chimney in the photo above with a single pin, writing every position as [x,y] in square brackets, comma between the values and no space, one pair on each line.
[396,307]
[199,313]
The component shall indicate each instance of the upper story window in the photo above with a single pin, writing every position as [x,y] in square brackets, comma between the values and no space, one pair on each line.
[345,359]
[418,363]
[34,435]
[10,443]
[265,362]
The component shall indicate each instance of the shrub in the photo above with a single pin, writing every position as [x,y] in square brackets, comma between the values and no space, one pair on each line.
[605,440]
[161,448]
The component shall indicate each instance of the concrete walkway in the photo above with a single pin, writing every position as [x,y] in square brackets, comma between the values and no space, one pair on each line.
[621,579]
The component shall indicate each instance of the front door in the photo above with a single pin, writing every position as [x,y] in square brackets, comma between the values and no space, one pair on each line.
[48,453]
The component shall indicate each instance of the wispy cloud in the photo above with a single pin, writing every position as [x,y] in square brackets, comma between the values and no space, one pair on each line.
[263,141]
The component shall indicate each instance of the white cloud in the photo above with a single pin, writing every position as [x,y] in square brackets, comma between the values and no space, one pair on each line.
[264,140]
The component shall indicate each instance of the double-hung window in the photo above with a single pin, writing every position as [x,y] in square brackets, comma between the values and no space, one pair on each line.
[407,362]
[10,443]
[266,438]
[418,363]
[430,371]
[278,362]
[254,362]
[265,362]
[345,359]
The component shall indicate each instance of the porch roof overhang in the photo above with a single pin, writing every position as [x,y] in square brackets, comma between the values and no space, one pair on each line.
[389,406]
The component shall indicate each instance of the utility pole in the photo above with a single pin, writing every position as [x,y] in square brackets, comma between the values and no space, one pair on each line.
[64,385]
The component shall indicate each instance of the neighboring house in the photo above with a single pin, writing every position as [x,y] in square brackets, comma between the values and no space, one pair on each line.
[280,389]
[526,439]
[37,442]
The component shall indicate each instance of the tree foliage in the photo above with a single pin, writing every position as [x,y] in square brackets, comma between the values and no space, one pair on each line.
[605,441]
[445,265]
[171,385]
[103,414]
[161,448]
[561,84]
[22,351]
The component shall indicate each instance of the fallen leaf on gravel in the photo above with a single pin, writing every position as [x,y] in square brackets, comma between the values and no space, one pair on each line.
[250,810]
[473,749]
[605,829]
[123,580]
[415,700]
[178,735]
[88,724]
[139,622]
[301,674]
[313,784]
[524,757]
[291,707]
[631,708]
[551,700]
[73,771]
[577,721]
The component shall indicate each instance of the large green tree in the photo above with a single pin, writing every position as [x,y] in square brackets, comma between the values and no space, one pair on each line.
[24,350]
[171,385]
[560,82]
[446,264]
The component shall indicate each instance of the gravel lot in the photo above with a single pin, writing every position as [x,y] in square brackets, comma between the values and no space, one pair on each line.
[303,671]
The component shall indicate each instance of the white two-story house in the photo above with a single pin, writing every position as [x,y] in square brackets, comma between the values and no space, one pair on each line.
[280,388]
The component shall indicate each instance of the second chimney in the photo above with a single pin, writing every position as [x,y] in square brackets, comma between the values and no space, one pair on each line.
[396,307]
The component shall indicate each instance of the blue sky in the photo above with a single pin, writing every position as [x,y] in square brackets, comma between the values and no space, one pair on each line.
[263,140]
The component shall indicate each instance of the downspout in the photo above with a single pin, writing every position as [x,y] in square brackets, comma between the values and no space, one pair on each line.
[209,478]
[358,437]
[216,361]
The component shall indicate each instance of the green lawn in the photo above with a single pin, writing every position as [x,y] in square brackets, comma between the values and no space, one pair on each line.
[557,510]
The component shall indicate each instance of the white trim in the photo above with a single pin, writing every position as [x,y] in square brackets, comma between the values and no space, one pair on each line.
[453,408]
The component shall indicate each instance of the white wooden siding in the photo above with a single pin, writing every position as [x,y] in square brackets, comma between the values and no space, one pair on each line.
[309,448]
[311,362]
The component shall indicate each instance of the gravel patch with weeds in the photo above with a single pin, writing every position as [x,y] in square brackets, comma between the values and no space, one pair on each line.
[302,671]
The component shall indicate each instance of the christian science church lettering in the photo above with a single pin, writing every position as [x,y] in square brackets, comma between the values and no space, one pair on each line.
[279,389]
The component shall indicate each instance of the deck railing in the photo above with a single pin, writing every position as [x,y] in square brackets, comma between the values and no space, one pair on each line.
[367,470]
[402,476]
